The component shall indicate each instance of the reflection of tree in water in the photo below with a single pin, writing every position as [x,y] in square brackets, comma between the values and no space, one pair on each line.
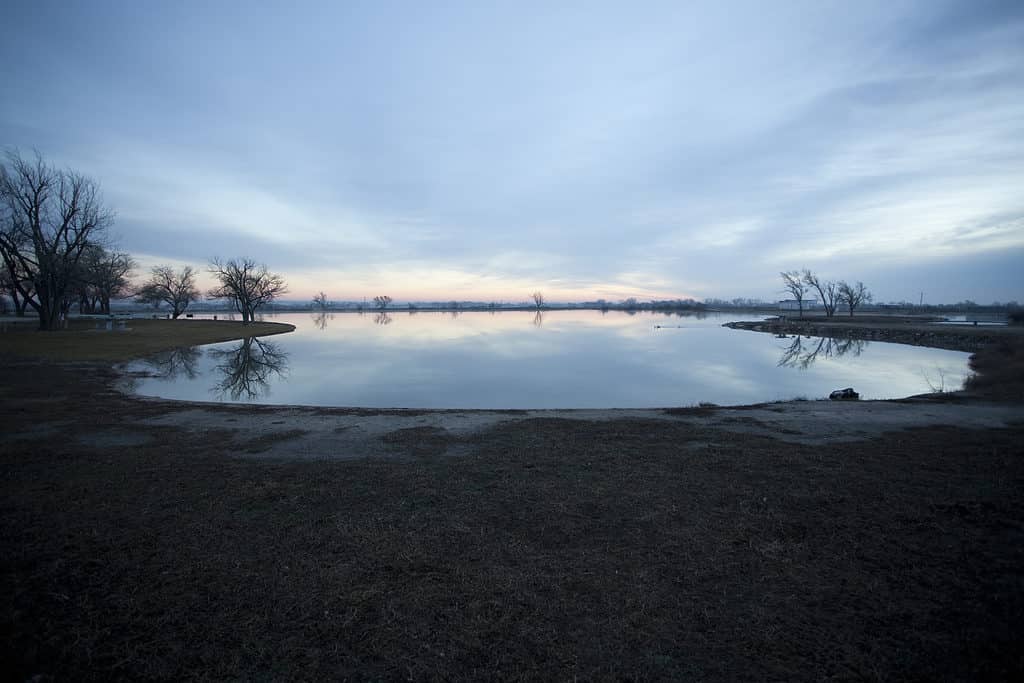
[181,361]
[803,351]
[320,319]
[233,316]
[382,318]
[538,319]
[699,315]
[939,381]
[246,370]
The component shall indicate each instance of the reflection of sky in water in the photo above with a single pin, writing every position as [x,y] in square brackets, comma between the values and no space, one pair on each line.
[572,359]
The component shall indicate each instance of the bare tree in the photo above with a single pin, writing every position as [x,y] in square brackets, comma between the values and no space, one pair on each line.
[538,299]
[81,288]
[18,287]
[320,308]
[246,285]
[49,217]
[382,301]
[792,282]
[176,289]
[7,288]
[104,275]
[828,290]
[853,296]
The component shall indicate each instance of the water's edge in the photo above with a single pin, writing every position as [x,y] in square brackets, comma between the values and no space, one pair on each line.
[936,338]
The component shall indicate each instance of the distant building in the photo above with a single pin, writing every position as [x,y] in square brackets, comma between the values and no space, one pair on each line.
[794,305]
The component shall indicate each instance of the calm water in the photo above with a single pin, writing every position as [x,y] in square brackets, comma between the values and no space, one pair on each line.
[562,359]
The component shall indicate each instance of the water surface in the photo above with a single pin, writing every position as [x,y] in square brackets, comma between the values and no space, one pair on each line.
[519,359]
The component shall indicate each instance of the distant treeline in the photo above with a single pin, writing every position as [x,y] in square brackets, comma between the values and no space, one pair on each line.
[630,304]
[966,306]
[1010,310]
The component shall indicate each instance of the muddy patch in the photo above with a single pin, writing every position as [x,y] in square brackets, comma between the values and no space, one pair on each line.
[113,439]
[314,433]
[419,441]
[30,432]
[265,442]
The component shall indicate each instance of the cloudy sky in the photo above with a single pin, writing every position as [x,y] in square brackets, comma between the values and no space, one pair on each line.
[484,150]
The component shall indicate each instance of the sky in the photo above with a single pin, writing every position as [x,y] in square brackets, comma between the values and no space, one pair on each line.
[486,150]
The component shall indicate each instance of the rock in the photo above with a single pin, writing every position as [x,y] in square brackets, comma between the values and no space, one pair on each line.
[847,394]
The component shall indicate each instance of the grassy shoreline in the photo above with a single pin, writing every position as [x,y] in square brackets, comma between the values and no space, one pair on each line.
[84,340]
[914,331]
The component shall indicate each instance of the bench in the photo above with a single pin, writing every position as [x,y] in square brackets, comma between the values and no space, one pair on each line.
[121,319]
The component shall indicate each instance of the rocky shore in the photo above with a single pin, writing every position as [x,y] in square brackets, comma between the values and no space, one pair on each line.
[897,330]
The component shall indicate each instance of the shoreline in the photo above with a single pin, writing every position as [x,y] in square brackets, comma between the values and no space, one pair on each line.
[83,344]
[909,331]
[988,400]
[85,341]
[158,539]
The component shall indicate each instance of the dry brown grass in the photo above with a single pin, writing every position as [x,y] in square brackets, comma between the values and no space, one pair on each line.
[999,371]
[556,549]
[82,341]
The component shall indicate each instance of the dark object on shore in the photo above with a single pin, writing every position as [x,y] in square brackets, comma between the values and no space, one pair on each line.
[847,394]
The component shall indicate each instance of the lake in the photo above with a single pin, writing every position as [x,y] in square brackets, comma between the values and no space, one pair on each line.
[521,359]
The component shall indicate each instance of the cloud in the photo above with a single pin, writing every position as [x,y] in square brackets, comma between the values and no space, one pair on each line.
[670,149]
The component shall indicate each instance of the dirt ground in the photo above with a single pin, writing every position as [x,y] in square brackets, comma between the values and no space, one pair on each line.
[799,541]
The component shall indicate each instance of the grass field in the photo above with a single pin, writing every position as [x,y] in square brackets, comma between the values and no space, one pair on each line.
[551,549]
[86,340]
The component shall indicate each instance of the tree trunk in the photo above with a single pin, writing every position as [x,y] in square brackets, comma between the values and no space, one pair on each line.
[48,309]
[19,303]
[49,316]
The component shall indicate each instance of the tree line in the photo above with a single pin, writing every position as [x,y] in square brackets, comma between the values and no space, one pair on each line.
[57,252]
[833,293]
